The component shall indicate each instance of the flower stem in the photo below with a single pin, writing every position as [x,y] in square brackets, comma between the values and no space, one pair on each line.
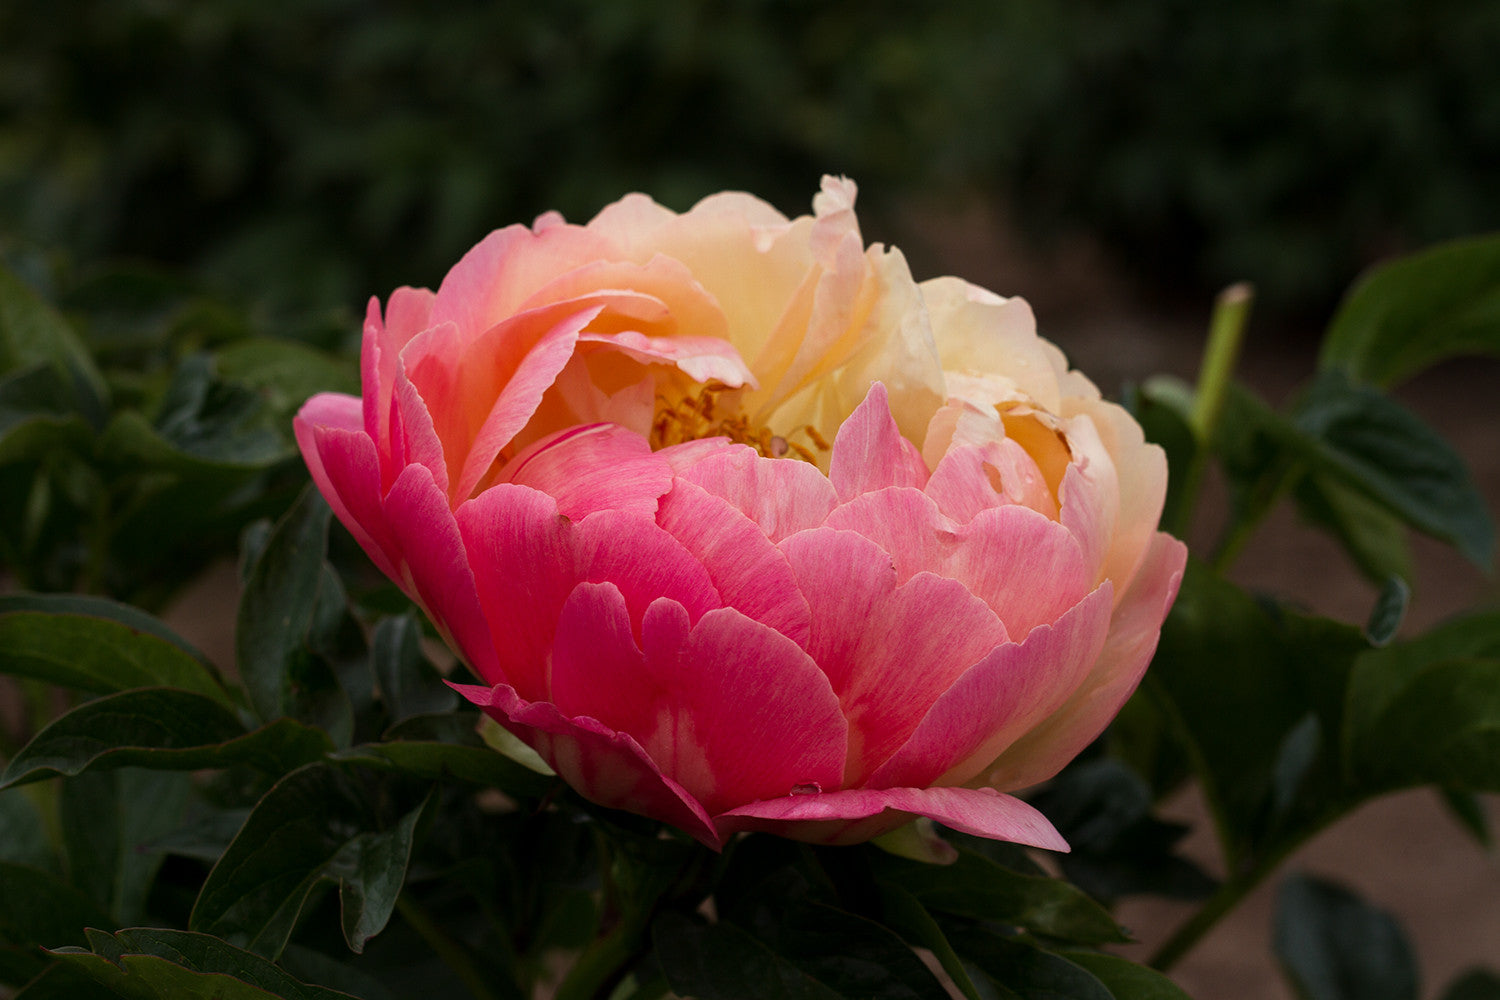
[453,954]
[1226,332]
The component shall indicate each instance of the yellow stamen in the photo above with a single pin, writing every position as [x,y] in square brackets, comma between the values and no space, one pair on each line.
[712,412]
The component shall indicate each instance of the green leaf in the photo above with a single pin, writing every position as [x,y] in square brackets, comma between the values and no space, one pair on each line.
[97,645]
[286,371]
[1104,811]
[974,886]
[723,962]
[1377,446]
[1374,538]
[828,954]
[446,761]
[63,981]
[370,870]
[23,834]
[106,820]
[1476,984]
[1124,979]
[1236,677]
[1409,314]
[32,333]
[408,683]
[34,419]
[40,908]
[278,605]
[150,964]
[1026,971]
[1332,945]
[1389,611]
[164,729]
[314,825]
[911,920]
[1428,710]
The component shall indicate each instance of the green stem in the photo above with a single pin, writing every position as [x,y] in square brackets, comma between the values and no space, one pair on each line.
[1236,888]
[453,954]
[599,967]
[1226,333]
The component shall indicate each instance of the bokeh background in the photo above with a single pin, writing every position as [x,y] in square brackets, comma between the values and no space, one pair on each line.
[211,167]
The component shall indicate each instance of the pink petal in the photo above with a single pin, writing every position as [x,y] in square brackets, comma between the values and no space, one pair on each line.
[750,573]
[593,467]
[414,437]
[346,469]
[493,280]
[781,495]
[607,767]
[435,567]
[1133,635]
[527,559]
[835,817]
[870,454]
[729,709]
[407,314]
[1000,698]
[889,651]
[1027,568]
[905,523]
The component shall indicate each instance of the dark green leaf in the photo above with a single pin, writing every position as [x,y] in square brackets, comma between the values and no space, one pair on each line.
[23,835]
[63,981]
[314,825]
[974,886]
[1476,984]
[165,729]
[1377,446]
[1125,979]
[408,683]
[286,371]
[370,870]
[722,962]
[32,333]
[34,419]
[1409,314]
[1104,811]
[911,920]
[102,654]
[1295,757]
[442,761]
[37,908]
[150,964]
[1428,710]
[1389,611]
[315,967]
[1235,676]
[1332,945]
[1374,538]
[277,608]
[107,818]
[1027,971]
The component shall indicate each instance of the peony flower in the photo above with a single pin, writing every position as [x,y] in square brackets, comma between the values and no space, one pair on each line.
[743,529]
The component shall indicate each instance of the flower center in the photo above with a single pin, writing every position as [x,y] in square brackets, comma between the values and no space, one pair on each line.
[714,412]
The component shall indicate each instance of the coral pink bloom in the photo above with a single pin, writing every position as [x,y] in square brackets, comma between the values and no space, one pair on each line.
[744,529]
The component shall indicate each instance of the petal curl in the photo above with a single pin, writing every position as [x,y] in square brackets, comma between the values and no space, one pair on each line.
[854,815]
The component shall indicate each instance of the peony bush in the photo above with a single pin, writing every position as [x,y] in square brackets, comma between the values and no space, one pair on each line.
[744,529]
[799,595]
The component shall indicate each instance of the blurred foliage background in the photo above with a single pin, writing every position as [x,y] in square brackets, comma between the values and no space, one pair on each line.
[302,155]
